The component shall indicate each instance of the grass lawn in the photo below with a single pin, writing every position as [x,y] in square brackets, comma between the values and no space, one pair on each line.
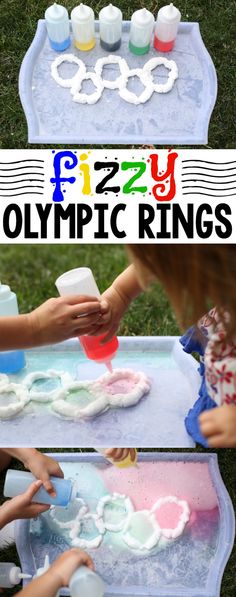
[18,25]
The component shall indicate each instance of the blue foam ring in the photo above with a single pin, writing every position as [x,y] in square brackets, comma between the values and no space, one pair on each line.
[12,361]
[60,46]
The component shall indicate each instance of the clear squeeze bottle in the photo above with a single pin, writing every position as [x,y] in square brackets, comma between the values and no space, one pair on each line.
[81,281]
[166,28]
[58,27]
[110,24]
[11,361]
[86,583]
[11,575]
[83,27]
[17,482]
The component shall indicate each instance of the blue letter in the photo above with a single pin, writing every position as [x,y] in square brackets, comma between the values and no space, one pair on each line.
[57,193]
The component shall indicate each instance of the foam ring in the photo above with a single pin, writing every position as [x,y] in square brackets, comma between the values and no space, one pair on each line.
[61,406]
[77,541]
[111,499]
[124,70]
[173,74]
[28,381]
[85,98]
[66,58]
[170,533]
[22,396]
[131,97]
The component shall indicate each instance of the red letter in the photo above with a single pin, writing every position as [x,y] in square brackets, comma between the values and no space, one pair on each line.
[163,179]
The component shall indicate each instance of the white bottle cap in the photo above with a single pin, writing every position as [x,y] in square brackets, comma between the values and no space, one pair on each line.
[110,14]
[77,281]
[16,575]
[82,13]
[5,292]
[142,18]
[56,13]
[169,14]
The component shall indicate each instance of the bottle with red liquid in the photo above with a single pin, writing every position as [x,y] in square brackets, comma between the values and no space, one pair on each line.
[166,28]
[81,281]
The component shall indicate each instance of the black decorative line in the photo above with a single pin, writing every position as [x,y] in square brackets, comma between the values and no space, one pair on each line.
[211,169]
[207,188]
[18,194]
[23,174]
[209,194]
[20,168]
[21,162]
[208,175]
[207,162]
[209,181]
[20,181]
[34,186]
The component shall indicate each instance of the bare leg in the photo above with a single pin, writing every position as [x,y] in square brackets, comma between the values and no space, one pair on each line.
[5,460]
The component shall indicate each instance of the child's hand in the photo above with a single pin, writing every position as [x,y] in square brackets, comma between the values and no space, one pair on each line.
[113,307]
[22,506]
[219,426]
[64,317]
[119,454]
[43,467]
[67,563]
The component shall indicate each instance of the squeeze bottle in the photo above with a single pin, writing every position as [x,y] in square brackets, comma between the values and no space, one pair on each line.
[110,24]
[83,27]
[81,281]
[86,583]
[17,482]
[58,27]
[11,361]
[141,28]
[166,28]
[11,575]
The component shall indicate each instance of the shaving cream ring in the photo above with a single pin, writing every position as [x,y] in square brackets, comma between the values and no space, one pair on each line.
[173,74]
[77,541]
[146,79]
[4,379]
[170,533]
[67,58]
[141,387]
[28,381]
[62,407]
[85,98]
[135,543]
[70,523]
[112,499]
[22,396]
[124,71]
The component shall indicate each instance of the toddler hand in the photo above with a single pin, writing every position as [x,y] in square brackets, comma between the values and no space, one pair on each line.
[22,506]
[219,426]
[64,317]
[113,307]
[67,563]
[43,467]
[119,454]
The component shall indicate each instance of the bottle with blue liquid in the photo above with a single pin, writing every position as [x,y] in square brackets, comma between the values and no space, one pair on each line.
[58,27]
[11,361]
[17,482]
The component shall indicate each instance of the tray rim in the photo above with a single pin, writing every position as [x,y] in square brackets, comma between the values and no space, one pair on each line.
[24,86]
[214,579]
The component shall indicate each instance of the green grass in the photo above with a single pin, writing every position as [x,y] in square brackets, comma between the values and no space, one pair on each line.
[216,19]
[227,463]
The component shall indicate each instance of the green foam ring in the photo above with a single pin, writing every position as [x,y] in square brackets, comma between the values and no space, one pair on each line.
[139,51]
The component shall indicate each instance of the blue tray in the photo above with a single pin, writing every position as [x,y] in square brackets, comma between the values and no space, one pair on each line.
[180,117]
[156,421]
[191,567]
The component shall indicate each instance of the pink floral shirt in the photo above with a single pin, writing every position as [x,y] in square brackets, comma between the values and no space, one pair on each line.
[219,360]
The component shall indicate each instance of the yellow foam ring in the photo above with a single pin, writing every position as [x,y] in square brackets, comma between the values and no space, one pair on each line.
[127,462]
[85,47]
[86,190]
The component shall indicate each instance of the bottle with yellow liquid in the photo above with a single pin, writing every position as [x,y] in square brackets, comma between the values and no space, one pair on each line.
[83,27]
[126,463]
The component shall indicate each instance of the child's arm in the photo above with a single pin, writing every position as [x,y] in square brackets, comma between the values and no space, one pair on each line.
[54,321]
[22,506]
[218,425]
[116,300]
[40,465]
[58,575]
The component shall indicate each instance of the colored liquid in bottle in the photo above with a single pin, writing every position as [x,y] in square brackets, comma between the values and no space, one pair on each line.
[163,46]
[96,351]
[85,47]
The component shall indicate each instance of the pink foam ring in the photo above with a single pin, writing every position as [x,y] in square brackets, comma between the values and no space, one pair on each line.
[149,481]
[168,515]
[122,386]
[172,515]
